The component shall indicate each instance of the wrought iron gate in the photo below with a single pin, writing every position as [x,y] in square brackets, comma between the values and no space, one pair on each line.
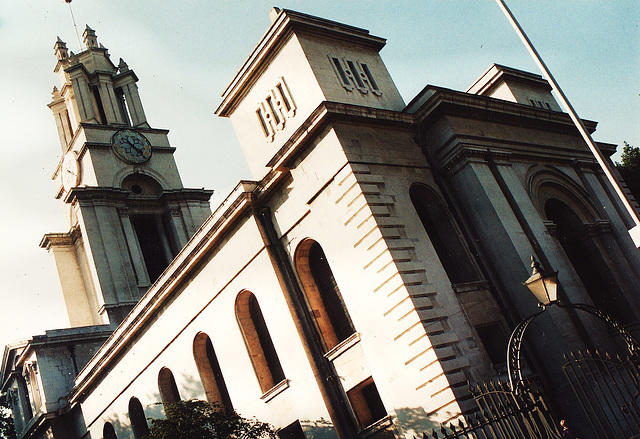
[608,389]
[502,415]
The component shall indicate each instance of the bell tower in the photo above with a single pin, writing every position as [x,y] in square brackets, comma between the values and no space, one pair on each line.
[128,211]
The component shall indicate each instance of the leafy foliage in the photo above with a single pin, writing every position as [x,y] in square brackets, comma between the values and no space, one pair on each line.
[196,419]
[7,430]
[629,168]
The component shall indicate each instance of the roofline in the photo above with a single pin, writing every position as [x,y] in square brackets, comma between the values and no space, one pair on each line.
[284,24]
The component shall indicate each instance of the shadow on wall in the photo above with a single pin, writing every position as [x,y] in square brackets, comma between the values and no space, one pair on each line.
[415,421]
[121,429]
[191,388]
[319,429]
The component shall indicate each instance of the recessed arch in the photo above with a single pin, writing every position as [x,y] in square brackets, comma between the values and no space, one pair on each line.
[322,294]
[168,387]
[443,234]
[209,370]
[578,240]
[138,419]
[257,339]
[125,172]
[141,185]
[544,183]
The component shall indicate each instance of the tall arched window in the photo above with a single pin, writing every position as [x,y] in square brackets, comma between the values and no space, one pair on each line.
[167,386]
[138,419]
[209,369]
[258,341]
[443,235]
[108,431]
[323,295]
[587,260]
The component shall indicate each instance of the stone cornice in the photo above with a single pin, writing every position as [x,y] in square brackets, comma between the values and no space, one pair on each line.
[330,111]
[443,101]
[60,239]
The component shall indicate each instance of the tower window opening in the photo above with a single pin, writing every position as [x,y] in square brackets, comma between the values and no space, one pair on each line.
[355,74]
[136,189]
[122,106]
[341,73]
[369,75]
[100,114]
[276,118]
[263,123]
[366,403]
[154,243]
[283,97]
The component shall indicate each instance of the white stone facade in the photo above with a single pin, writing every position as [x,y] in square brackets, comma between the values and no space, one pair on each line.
[385,245]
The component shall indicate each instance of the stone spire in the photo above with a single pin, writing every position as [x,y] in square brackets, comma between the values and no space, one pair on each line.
[60,49]
[90,38]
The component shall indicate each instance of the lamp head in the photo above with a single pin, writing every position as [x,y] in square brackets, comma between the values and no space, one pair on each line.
[543,285]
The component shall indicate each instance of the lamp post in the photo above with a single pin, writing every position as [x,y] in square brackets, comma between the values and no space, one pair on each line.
[544,286]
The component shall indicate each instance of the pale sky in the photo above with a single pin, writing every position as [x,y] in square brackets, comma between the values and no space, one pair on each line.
[186,51]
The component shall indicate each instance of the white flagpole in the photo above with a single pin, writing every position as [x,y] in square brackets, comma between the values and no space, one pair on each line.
[635,231]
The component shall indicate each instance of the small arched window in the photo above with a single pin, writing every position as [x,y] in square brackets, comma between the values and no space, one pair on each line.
[108,431]
[264,358]
[323,295]
[209,369]
[443,235]
[138,419]
[167,386]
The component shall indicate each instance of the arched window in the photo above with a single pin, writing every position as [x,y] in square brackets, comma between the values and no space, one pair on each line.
[209,369]
[587,260]
[258,341]
[443,235]
[167,386]
[108,432]
[323,295]
[138,419]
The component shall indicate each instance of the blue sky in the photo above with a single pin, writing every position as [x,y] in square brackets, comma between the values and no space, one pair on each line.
[186,51]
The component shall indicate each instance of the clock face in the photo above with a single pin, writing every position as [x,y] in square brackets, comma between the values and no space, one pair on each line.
[131,146]
[70,171]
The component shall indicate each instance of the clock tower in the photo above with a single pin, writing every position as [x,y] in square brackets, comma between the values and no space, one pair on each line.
[128,211]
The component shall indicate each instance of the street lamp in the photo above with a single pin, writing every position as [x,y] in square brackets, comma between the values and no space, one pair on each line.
[544,286]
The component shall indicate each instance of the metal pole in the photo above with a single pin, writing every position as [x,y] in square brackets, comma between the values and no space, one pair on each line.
[635,231]
[73,20]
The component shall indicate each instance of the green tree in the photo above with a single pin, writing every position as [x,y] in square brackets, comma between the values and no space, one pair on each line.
[7,430]
[196,419]
[629,168]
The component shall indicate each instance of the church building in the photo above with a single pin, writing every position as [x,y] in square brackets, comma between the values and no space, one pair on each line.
[365,275]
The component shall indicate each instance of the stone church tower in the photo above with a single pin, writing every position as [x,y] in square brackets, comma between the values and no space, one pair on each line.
[128,212]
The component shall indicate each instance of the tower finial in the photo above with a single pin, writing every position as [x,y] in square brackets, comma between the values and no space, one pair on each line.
[60,49]
[90,38]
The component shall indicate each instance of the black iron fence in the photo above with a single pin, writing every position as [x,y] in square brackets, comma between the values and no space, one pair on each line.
[501,415]
[607,388]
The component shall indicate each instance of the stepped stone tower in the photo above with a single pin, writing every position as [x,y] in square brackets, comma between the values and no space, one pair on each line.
[128,211]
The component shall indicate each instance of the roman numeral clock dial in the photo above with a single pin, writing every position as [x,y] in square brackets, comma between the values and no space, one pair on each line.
[131,146]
